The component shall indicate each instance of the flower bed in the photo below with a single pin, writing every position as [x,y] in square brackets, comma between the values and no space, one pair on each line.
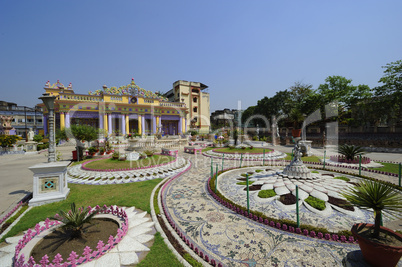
[125,169]
[342,159]
[74,258]
[243,151]
[285,225]
[11,212]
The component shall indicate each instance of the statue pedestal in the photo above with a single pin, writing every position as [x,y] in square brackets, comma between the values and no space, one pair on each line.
[306,148]
[49,184]
[30,146]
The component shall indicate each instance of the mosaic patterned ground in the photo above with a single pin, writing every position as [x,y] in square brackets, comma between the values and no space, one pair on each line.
[329,218]
[234,240]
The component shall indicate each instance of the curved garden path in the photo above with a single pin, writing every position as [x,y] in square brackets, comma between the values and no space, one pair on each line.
[233,240]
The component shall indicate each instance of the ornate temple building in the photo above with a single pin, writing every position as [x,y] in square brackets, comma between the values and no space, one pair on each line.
[120,110]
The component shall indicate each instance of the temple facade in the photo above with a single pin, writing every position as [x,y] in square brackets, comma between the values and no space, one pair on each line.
[127,109]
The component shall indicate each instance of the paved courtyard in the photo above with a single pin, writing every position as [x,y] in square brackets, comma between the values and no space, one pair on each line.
[224,235]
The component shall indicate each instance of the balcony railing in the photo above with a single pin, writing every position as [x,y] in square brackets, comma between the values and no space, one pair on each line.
[84,98]
[172,104]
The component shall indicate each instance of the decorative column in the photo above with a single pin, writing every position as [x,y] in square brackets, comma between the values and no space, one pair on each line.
[127,123]
[180,124]
[139,124]
[105,124]
[185,123]
[143,124]
[153,125]
[67,120]
[109,123]
[62,123]
[123,124]
[100,122]
[44,124]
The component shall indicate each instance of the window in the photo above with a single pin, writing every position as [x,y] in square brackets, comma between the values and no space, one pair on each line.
[195,109]
[194,90]
[195,100]
[20,120]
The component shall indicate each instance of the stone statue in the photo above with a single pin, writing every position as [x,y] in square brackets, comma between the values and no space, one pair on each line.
[30,134]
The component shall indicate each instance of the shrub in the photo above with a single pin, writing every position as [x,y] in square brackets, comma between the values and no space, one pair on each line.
[149,153]
[38,138]
[115,155]
[255,138]
[8,140]
[350,151]
[315,203]
[92,149]
[266,193]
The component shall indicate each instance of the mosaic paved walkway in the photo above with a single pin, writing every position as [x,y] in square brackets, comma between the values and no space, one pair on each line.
[234,240]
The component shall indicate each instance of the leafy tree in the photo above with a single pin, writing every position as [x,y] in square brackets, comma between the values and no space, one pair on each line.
[82,132]
[61,135]
[389,95]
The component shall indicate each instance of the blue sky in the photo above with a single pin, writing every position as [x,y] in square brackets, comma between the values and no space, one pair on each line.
[243,50]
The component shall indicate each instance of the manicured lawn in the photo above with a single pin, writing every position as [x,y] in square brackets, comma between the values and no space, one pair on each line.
[310,159]
[130,194]
[109,163]
[388,167]
[241,151]
[160,255]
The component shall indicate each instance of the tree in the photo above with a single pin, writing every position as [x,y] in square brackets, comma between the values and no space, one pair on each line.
[82,132]
[389,95]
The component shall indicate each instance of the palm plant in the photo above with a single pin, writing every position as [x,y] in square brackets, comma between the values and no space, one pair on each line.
[374,195]
[75,219]
[296,117]
[350,151]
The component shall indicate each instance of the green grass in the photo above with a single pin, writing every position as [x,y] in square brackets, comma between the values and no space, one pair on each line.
[310,158]
[245,183]
[245,175]
[315,203]
[130,194]
[160,255]
[207,148]
[314,172]
[266,193]
[257,171]
[241,151]
[105,164]
[388,167]
[342,178]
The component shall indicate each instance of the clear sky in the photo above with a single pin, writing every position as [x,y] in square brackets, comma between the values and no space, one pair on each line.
[243,50]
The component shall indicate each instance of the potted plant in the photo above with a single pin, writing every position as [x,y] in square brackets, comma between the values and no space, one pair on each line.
[297,118]
[377,242]
[92,150]
[115,155]
[101,151]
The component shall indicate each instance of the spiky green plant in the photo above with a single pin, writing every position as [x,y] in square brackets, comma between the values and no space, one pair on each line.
[374,195]
[75,219]
[350,151]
